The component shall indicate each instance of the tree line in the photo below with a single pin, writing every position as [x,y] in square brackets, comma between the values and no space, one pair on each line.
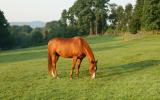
[99,16]
[146,15]
[18,36]
[85,17]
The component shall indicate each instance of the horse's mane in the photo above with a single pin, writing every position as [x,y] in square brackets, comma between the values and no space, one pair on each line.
[87,50]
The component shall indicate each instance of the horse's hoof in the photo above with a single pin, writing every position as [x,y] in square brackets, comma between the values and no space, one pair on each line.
[92,78]
[53,77]
[58,78]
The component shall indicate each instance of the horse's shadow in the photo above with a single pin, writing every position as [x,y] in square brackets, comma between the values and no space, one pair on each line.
[117,71]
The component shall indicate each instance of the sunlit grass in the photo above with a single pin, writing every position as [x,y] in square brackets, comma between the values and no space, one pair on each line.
[128,68]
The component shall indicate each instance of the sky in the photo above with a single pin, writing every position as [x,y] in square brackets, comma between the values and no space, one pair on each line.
[40,10]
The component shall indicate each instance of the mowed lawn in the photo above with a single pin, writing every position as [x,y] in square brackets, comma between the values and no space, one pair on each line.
[128,69]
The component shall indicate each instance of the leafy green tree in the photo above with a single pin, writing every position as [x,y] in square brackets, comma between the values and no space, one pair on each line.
[37,36]
[136,21]
[54,29]
[21,35]
[14,29]
[20,29]
[120,18]
[71,19]
[26,28]
[64,17]
[134,25]
[138,11]
[22,40]
[82,10]
[128,15]
[151,15]
[91,15]
[113,16]
[6,40]
[101,13]
[146,15]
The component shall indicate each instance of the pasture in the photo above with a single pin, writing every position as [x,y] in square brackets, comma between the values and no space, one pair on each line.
[128,69]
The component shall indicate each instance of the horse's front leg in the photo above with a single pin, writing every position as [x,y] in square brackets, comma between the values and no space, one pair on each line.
[73,66]
[77,71]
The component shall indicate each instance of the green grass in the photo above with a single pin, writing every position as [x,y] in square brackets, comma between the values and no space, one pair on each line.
[128,69]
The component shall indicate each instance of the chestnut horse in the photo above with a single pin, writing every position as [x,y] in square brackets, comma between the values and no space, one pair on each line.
[76,48]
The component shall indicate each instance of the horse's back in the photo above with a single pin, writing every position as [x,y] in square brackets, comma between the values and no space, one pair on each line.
[77,40]
[67,47]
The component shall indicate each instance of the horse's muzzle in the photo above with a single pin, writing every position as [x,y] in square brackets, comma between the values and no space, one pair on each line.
[93,75]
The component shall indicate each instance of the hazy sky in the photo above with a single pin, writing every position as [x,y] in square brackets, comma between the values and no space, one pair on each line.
[41,10]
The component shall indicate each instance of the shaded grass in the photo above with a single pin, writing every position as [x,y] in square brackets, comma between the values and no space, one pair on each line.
[126,70]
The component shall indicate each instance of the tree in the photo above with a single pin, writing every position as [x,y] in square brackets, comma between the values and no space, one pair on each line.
[6,40]
[138,11]
[82,10]
[113,16]
[120,18]
[26,28]
[91,15]
[37,36]
[71,19]
[21,35]
[137,17]
[146,15]
[134,25]
[151,15]
[22,40]
[55,29]
[101,13]
[64,17]
[128,14]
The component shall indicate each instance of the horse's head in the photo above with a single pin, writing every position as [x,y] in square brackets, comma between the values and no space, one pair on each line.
[93,69]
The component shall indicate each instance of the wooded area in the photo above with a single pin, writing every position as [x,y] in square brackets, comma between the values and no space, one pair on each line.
[85,17]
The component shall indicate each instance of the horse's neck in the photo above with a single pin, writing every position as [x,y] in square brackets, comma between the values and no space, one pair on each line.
[89,54]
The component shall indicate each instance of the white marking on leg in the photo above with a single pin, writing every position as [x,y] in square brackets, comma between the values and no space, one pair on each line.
[53,74]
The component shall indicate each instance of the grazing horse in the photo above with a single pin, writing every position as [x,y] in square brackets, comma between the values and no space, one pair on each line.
[76,48]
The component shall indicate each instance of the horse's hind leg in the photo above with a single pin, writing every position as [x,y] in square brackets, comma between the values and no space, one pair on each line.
[73,66]
[54,61]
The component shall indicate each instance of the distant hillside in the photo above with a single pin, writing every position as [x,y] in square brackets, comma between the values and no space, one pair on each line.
[33,24]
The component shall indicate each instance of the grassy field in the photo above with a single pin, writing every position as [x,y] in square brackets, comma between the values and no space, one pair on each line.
[128,69]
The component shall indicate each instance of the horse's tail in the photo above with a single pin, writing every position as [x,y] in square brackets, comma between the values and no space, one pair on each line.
[49,63]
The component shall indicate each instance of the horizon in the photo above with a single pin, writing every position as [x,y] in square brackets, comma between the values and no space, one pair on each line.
[43,11]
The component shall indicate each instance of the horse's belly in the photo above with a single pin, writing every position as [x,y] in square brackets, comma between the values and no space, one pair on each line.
[69,54]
